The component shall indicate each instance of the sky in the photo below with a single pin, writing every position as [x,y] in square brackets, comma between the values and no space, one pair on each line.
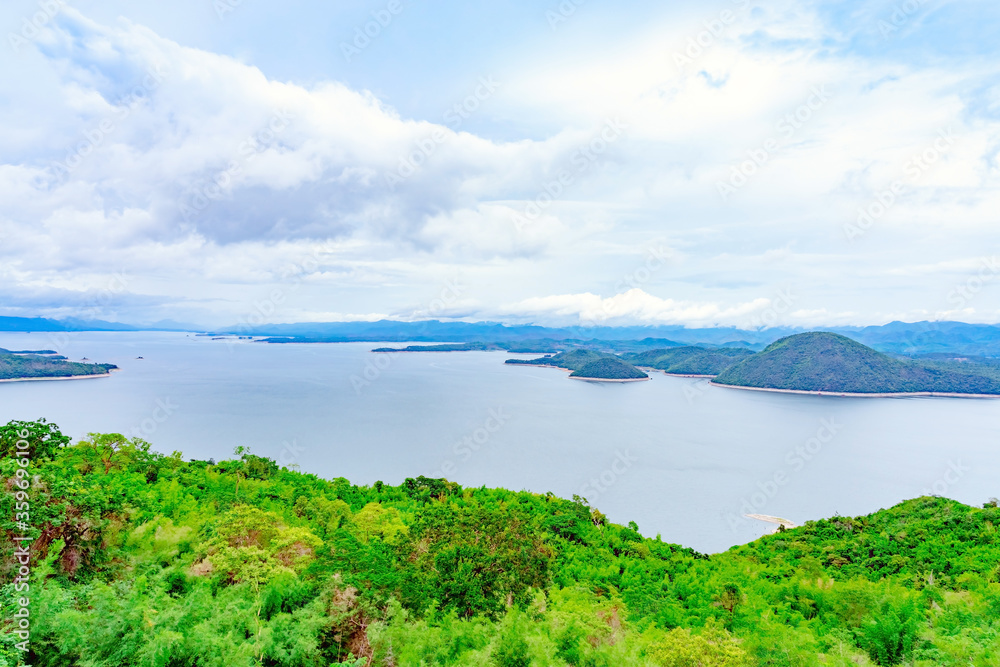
[737,163]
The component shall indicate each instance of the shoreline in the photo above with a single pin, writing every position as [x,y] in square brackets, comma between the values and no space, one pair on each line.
[650,369]
[538,366]
[843,394]
[609,379]
[63,377]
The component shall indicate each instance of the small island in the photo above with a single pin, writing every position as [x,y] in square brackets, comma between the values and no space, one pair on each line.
[609,370]
[588,365]
[46,365]
[443,347]
[573,360]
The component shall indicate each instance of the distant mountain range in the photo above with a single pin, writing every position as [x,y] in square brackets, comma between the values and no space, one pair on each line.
[73,324]
[897,338]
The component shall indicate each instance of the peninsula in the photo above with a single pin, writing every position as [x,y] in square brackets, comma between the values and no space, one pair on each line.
[46,365]
[689,360]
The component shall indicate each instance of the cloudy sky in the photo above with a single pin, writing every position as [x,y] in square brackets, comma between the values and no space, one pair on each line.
[738,163]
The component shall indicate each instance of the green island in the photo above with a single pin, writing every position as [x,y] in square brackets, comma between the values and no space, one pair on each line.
[609,369]
[572,360]
[43,364]
[442,347]
[140,558]
[829,362]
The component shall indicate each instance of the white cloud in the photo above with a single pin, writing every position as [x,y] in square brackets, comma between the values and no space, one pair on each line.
[633,306]
[398,204]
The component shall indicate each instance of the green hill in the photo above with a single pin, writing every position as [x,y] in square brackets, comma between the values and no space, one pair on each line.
[689,360]
[23,365]
[830,362]
[609,369]
[145,559]
[572,360]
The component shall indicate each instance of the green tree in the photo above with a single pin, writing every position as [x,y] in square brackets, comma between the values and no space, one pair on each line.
[891,635]
[43,438]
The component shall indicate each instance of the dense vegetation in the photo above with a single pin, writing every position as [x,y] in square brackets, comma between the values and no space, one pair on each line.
[830,362]
[689,360]
[572,360]
[146,559]
[443,347]
[17,365]
[609,369]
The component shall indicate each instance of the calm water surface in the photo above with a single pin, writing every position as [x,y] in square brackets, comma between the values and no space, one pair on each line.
[678,457]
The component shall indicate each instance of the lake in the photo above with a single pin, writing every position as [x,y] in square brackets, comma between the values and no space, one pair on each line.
[681,458]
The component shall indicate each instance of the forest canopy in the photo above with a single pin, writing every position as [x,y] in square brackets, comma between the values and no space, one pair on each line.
[141,558]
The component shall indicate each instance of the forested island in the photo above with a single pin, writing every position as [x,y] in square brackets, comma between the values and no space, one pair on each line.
[829,362]
[144,559]
[443,347]
[572,360]
[46,364]
[609,370]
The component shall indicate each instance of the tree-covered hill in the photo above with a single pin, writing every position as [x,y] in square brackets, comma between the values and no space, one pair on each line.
[609,369]
[689,360]
[29,365]
[572,360]
[146,559]
[820,361]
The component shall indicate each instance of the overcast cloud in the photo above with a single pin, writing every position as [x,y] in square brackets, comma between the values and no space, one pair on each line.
[834,162]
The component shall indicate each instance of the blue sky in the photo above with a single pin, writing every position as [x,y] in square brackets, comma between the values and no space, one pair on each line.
[734,163]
